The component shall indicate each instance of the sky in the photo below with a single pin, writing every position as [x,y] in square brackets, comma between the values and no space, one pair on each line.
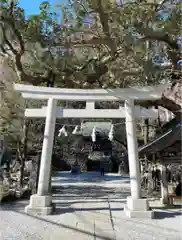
[32,6]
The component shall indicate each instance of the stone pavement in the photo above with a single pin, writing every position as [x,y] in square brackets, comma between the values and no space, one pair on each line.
[88,207]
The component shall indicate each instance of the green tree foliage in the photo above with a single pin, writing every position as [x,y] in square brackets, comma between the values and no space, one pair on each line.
[109,49]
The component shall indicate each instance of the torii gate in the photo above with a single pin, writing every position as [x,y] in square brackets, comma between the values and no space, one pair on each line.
[41,203]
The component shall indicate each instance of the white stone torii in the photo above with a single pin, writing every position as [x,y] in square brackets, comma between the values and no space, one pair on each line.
[41,203]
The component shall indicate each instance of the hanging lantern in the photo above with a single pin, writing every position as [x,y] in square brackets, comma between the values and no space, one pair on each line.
[63,131]
[75,130]
[111,133]
[93,135]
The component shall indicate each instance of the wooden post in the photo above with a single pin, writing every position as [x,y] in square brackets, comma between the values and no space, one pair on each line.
[38,170]
[164,185]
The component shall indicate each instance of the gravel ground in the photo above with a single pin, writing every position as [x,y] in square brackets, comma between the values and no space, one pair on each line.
[88,207]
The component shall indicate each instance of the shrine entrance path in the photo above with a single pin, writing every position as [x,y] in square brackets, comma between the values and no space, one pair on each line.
[88,207]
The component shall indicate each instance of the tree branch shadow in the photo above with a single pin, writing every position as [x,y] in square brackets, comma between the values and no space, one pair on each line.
[166,214]
[71,228]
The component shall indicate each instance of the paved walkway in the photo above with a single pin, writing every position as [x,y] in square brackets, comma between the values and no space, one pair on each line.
[88,207]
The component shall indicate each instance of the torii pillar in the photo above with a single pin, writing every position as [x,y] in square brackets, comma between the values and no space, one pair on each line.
[41,203]
[136,206]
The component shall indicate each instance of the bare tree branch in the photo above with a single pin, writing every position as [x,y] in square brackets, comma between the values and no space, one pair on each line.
[7,42]
[104,18]
[17,33]
[11,8]
[150,34]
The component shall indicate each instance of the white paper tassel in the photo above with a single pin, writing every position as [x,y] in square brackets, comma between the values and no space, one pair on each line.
[63,131]
[93,135]
[75,130]
[59,134]
[111,133]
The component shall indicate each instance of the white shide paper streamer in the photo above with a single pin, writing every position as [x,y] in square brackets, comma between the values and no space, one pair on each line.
[93,135]
[63,131]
